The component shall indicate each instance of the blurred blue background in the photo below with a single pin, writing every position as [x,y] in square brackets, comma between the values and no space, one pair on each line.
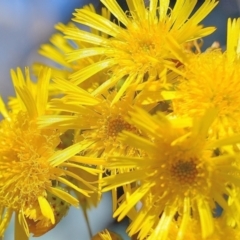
[24,25]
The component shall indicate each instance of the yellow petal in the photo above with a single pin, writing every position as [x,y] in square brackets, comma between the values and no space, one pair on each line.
[206,218]
[42,90]
[3,109]
[5,221]
[95,21]
[28,101]
[46,209]
[116,10]
[84,73]
[65,196]
[61,156]
[73,186]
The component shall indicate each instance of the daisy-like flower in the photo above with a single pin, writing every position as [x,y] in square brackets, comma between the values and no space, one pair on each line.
[222,231]
[30,167]
[95,120]
[106,235]
[211,79]
[181,175]
[59,47]
[98,121]
[143,44]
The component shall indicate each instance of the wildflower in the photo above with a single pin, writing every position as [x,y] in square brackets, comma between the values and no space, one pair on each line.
[180,175]
[30,167]
[106,235]
[98,121]
[146,46]
[222,231]
[211,79]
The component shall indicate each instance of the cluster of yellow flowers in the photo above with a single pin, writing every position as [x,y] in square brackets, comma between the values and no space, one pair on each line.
[133,103]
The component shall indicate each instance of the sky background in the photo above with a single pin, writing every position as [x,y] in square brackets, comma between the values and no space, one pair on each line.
[24,25]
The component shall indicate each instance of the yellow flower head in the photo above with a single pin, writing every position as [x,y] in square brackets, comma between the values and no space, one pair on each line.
[222,231]
[96,121]
[96,118]
[211,79]
[181,175]
[106,235]
[145,42]
[30,166]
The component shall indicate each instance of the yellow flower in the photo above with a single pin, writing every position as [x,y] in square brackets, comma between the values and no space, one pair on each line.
[222,231]
[181,175]
[59,47]
[96,118]
[96,121]
[145,42]
[106,235]
[211,79]
[30,167]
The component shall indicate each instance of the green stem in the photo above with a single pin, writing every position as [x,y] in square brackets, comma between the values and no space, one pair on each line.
[19,233]
[87,221]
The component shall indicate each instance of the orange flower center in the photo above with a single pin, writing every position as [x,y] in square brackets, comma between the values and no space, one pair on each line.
[184,171]
[117,125]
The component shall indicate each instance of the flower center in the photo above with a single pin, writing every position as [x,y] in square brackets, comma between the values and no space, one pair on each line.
[24,167]
[117,125]
[141,46]
[184,171]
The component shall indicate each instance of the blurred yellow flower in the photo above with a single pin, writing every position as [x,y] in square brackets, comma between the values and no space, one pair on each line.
[142,45]
[106,235]
[222,231]
[129,102]
[181,175]
[211,79]
[59,47]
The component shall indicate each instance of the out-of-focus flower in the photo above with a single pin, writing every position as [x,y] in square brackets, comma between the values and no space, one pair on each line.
[222,231]
[142,45]
[106,235]
[134,104]
[59,47]
[211,79]
[181,175]
[96,121]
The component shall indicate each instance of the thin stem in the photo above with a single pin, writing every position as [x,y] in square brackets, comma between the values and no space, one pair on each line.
[87,221]
[19,232]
